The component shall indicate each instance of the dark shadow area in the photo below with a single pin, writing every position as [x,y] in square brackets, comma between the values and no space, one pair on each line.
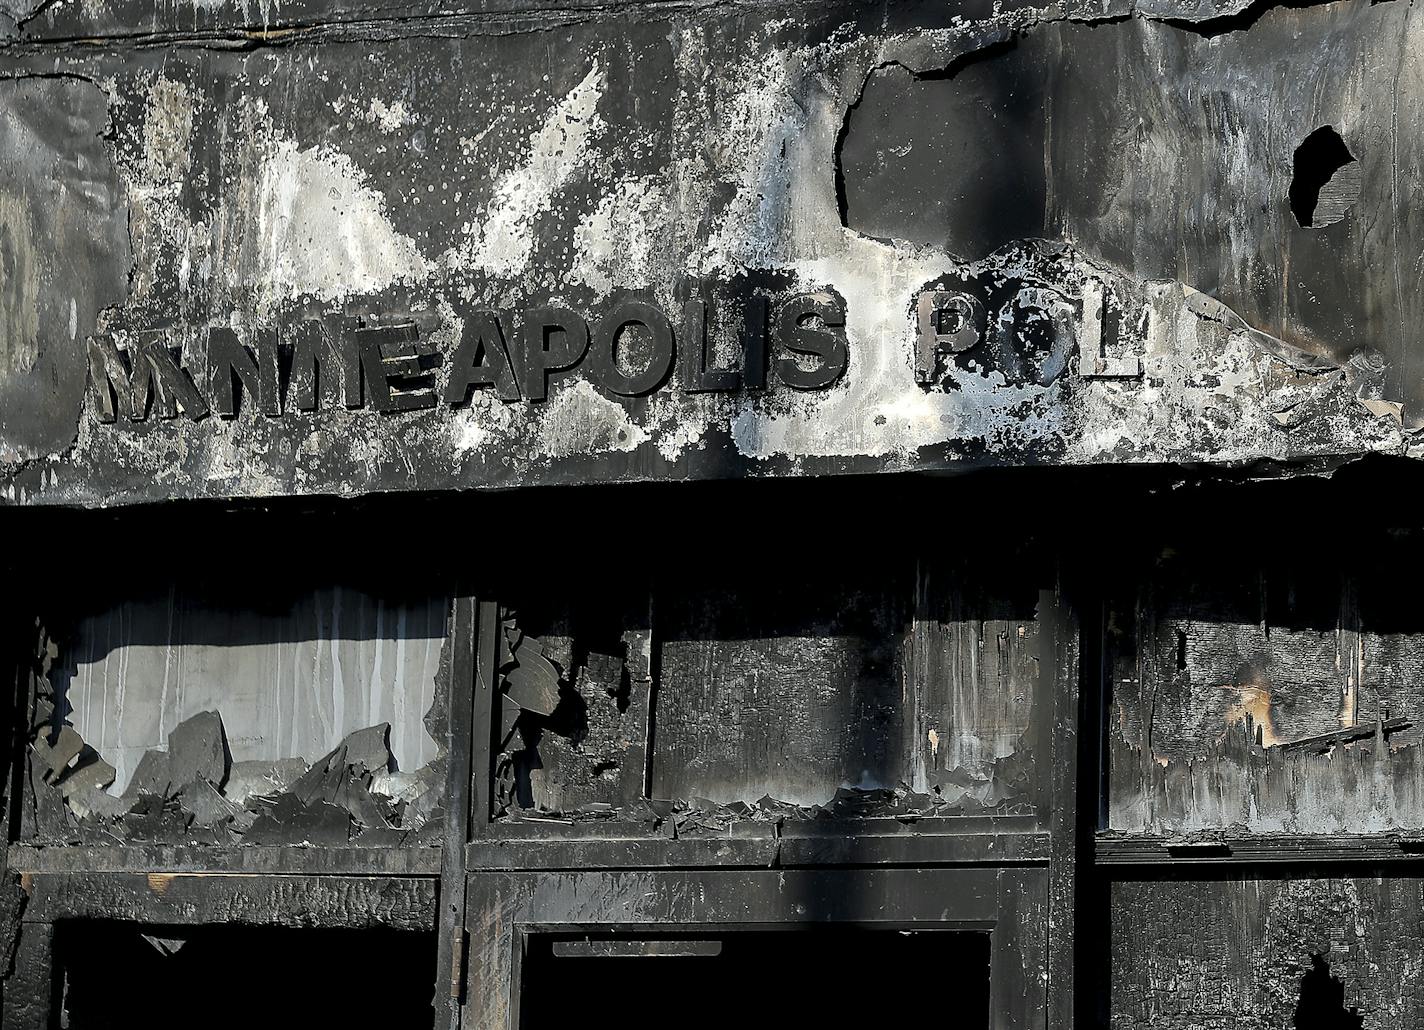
[122,976]
[828,977]
[1221,25]
[1322,1001]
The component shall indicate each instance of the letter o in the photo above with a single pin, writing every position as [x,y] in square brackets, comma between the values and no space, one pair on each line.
[605,348]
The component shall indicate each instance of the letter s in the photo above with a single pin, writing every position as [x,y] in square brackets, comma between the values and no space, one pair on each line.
[827,346]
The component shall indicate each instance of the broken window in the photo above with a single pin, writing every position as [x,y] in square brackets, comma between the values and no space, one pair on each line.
[230,716]
[1260,694]
[690,703]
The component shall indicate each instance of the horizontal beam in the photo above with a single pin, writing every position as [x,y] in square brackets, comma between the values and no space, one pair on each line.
[400,903]
[1262,849]
[761,852]
[179,858]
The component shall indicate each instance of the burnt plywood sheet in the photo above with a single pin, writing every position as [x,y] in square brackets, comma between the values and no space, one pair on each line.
[774,692]
[977,237]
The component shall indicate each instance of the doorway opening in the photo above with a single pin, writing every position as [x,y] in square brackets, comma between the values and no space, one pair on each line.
[757,980]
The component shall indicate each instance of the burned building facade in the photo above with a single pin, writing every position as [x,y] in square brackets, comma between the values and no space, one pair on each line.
[700,513]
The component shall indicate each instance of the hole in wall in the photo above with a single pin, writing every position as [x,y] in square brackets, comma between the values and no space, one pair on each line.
[1326,179]
[1322,1001]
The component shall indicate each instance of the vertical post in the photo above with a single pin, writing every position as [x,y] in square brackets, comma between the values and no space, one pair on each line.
[27,1000]
[26,965]
[450,928]
[486,719]
[1059,664]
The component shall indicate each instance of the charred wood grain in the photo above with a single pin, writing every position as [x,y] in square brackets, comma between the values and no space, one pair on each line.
[1212,954]
[194,858]
[406,903]
[469,664]
[915,846]
[28,992]
[1402,852]
[1277,699]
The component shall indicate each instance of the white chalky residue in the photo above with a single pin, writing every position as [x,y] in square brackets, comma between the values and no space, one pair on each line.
[502,243]
[746,186]
[757,124]
[485,421]
[155,180]
[323,232]
[677,425]
[580,420]
[389,117]
[784,217]
[615,244]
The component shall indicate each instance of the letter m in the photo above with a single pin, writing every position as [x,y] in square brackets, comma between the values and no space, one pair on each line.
[123,382]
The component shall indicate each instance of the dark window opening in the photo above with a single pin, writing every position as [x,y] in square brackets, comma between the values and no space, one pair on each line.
[1326,180]
[122,975]
[758,979]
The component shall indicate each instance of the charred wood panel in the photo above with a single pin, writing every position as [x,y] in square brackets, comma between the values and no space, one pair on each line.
[985,679]
[470,660]
[28,995]
[1257,693]
[245,859]
[570,720]
[862,691]
[788,690]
